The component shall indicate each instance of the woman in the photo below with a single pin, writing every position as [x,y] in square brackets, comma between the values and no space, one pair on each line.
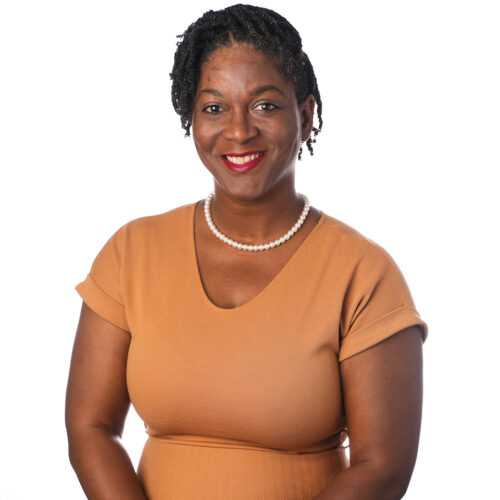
[251,331]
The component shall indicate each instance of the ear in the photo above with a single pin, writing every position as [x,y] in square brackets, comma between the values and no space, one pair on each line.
[307,114]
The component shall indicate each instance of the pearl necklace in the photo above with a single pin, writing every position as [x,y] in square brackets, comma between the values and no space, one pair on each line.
[265,246]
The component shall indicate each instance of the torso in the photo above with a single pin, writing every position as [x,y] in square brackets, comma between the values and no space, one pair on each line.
[233,277]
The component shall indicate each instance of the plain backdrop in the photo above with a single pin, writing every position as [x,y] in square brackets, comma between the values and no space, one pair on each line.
[408,156]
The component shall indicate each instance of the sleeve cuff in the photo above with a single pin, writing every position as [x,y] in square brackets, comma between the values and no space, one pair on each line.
[101,303]
[386,326]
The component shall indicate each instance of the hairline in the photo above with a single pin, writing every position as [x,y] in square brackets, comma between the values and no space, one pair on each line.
[278,61]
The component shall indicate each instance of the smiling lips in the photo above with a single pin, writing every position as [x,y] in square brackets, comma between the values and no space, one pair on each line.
[243,162]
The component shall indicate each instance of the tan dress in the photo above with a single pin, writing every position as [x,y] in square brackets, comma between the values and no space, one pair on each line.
[243,403]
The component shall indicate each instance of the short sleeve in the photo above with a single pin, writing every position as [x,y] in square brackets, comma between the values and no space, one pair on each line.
[101,290]
[378,304]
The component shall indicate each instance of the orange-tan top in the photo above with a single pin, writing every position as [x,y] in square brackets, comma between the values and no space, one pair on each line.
[245,402]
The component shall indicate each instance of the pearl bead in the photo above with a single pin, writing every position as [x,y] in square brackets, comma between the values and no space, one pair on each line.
[262,246]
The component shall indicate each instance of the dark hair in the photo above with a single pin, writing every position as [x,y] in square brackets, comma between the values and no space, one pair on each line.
[261,28]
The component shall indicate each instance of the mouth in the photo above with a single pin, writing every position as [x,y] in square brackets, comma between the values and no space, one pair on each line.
[242,162]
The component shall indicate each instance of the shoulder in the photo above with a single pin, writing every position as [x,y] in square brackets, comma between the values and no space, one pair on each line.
[352,244]
[161,230]
[177,215]
[157,223]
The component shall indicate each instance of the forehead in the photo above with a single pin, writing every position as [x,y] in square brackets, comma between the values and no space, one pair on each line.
[239,64]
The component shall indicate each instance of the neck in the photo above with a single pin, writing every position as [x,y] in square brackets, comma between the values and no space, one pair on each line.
[258,220]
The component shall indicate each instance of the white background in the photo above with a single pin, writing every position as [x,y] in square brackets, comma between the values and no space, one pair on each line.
[408,156]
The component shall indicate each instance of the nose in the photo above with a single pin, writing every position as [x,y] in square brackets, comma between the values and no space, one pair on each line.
[239,127]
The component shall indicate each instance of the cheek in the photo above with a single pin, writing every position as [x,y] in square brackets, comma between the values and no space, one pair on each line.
[203,137]
[204,143]
[287,134]
[200,141]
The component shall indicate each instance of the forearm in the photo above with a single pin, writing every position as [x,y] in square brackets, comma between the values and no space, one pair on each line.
[102,465]
[362,481]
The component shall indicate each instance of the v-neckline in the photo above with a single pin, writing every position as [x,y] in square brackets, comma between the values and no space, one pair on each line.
[255,298]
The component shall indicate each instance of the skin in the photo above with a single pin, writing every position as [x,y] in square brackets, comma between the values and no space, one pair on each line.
[382,386]
[260,205]
[97,403]
[382,389]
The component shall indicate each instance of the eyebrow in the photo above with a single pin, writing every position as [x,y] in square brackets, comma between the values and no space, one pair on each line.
[214,92]
[265,88]
[255,92]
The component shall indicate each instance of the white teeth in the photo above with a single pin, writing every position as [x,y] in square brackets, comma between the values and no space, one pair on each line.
[240,160]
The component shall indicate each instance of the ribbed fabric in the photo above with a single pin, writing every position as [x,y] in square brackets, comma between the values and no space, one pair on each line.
[244,403]
[183,470]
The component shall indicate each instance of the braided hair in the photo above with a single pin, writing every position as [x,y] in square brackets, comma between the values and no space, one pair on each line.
[262,29]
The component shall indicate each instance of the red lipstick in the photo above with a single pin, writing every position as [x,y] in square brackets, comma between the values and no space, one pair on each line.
[245,167]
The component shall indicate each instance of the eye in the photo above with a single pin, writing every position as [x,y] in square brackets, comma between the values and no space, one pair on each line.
[266,106]
[211,108]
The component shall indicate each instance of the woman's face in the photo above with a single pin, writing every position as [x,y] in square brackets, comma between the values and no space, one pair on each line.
[243,107]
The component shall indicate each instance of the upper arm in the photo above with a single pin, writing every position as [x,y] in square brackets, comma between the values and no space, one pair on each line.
[382,388]
[97,390]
